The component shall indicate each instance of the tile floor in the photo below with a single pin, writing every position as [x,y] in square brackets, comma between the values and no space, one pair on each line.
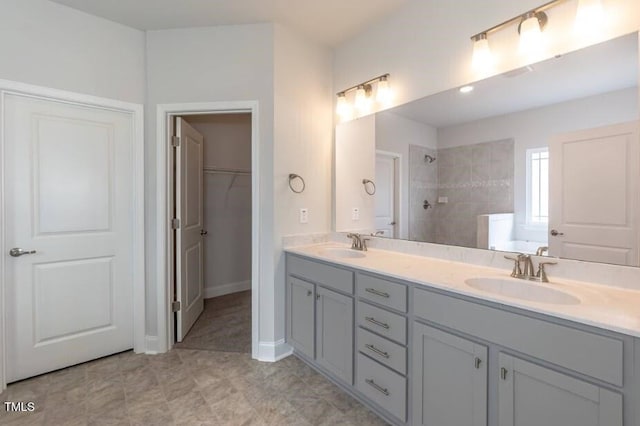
[185,387]
[189,386]
[225,325]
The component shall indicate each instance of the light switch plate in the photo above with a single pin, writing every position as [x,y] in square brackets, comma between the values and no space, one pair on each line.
[304,215]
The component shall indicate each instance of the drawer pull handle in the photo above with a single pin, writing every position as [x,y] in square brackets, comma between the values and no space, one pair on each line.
[377,387]
[378,323]
[503,373]
[377,351]
[478,361]
[377,292]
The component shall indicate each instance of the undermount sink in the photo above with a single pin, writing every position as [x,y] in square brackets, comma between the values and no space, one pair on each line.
[343,253]
[523,290]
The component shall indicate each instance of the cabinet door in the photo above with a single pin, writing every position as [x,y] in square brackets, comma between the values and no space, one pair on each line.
[531,395]
[334,333]
[301,295]
[450,379]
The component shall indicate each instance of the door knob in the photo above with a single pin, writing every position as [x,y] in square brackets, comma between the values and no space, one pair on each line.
[203,232]
[17,252]
[555,233]
[392,223]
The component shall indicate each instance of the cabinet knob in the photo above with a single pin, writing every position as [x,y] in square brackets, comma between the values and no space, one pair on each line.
[317,296]
[503,373]
[309,292]
[477,362]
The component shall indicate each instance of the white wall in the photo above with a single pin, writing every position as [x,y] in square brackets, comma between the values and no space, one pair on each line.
[228,63]
[303,98]
[227,202]
[425,45]
[46,44]
[395,133]
[526,130]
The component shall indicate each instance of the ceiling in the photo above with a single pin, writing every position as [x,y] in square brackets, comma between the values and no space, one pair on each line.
[605,67]
[330,22]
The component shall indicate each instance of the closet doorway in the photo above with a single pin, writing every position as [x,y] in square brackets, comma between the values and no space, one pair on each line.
[212,231]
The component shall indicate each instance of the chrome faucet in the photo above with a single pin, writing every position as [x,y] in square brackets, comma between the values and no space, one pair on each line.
[523,268]
[358,242]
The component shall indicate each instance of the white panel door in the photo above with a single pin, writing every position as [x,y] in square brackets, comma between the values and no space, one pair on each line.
[190,213]
[69,198]
[593,197]
[385,203]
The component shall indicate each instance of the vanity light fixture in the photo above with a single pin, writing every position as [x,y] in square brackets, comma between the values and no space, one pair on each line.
[482,60]
[530,27]
[589,17]
[364,97]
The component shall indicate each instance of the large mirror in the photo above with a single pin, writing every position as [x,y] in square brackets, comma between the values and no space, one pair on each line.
[542,159]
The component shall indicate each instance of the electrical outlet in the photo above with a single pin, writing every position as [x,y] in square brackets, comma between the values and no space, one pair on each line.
[304,215]
[355,213]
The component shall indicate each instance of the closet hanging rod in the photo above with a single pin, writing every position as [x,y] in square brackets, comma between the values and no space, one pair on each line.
[226,171]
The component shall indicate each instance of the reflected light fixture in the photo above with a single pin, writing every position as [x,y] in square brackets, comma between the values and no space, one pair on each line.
[482,60]
[466,89]
[363,97]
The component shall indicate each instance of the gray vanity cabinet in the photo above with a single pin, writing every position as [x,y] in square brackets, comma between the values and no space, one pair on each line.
[334,332]
[531,395]
[449,379]
[301,316]
[320,315]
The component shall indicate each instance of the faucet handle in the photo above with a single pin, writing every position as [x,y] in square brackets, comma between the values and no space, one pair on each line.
[516,266]
[542,274]
[364,243]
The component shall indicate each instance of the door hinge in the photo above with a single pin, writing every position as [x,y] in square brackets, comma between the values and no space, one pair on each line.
[175,141]
[175,306]
[175,223]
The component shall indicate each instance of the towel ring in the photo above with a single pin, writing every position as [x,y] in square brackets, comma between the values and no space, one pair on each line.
[292,177]
[366,189]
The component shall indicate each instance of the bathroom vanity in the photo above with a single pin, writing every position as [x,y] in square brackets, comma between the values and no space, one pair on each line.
[423,341]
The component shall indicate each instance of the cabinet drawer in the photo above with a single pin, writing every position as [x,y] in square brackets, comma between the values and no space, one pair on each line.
[383,350]
[383,322]
[587,353]
[383,292]
[328,276]
[383,386]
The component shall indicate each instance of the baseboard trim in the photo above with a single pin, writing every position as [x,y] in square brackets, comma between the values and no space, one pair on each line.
[151,345]
[229,288]
[273,351]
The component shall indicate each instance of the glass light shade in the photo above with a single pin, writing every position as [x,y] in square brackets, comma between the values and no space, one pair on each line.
[530,37]
[383,95]
[482,59]
[343,108]
[589,17]
[362,101]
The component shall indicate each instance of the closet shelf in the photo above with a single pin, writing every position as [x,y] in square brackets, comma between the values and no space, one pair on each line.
[218,170]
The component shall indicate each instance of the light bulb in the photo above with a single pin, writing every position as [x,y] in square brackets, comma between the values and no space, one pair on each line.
[362,101]
[482,60]
[343,109]
[383,96]
[530,36]
[589,17]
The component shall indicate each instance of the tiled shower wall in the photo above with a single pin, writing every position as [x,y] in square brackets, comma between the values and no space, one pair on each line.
[475,179]
[423,185]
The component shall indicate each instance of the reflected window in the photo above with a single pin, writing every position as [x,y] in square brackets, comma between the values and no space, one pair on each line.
[538,186]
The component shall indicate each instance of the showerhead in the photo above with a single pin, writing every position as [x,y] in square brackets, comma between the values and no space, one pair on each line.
[428,158]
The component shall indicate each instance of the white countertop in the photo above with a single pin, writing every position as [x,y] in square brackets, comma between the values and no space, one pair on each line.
[610,308]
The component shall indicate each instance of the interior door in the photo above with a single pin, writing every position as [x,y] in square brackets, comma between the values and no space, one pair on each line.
[69,226]
[594,193]
[190,215]
[385,197]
